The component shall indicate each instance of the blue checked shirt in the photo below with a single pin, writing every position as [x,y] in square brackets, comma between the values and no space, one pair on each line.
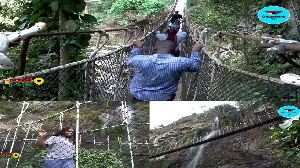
[156,76]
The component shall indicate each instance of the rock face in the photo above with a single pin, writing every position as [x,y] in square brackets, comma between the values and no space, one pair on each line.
[249,149]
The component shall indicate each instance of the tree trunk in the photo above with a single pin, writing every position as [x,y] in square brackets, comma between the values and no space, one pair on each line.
[64,59]
[293,7]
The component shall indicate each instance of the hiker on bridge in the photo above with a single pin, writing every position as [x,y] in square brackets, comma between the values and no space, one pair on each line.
[175,20]
[61,151]
[172,36]
[157,76]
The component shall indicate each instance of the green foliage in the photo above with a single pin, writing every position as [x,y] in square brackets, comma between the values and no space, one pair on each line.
[142,7]
[224,108]
[44,53]
[99,159]
[228,120]
[247,56]
[289,139]
[34,158]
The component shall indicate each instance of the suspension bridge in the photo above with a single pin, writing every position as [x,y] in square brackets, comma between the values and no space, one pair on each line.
[105,77]
[124,131]
[258,116]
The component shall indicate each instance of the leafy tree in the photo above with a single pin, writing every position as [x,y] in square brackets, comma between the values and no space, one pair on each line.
[60,15]
[130,8]
[289,137]
[241,17]
[288,140]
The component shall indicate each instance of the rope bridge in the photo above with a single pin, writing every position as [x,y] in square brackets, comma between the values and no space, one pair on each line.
[105,77]
[216,81]
[258,116]
[121,134]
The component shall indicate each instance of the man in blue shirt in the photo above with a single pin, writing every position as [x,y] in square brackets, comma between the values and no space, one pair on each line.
[156,76]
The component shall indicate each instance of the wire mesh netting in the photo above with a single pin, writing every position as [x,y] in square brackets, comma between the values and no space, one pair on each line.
[103,77]
[217,81]
[109,134]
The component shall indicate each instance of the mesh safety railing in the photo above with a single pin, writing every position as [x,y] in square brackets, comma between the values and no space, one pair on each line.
[114,135]
[102,77]
[217,81]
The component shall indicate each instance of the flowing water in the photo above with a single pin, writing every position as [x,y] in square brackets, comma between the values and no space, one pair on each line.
[116,115]
[215,131]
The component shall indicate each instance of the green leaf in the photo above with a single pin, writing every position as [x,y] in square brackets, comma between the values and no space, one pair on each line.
[54,5]
[80,6]
[71,25]
[83,40]
[34,17]
[37,5]
[256,93]
[88,18]
[295,122]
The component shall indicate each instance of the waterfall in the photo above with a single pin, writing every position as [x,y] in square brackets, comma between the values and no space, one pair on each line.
[215,131]
[116,115]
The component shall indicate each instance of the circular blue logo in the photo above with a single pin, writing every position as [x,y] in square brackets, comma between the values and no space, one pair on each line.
[273,15]
[289,111]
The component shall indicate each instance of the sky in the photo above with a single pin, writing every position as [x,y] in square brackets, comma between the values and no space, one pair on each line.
[166,112]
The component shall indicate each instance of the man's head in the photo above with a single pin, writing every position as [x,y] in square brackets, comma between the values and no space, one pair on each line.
[165,47]
[176,12]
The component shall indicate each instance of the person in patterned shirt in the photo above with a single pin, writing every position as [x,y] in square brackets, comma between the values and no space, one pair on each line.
[61,150]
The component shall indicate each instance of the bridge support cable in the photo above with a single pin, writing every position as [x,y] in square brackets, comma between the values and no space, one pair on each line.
[219,137]
[24,108]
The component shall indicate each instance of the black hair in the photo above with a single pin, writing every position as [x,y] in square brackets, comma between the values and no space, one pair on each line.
[63,133]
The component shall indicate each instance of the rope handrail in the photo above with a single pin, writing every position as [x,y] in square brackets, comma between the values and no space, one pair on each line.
[56,114]
[87,60]
[26,113]
[24,139]
[213,82]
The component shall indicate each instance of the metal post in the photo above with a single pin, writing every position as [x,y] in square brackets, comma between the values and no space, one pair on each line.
[16,131]
[77,132]
[108,142]
[125,118]
[5,142]
[188,3]
[61,117]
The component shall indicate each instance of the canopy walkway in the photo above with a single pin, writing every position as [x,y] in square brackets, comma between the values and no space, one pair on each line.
[105,77]
[122,131]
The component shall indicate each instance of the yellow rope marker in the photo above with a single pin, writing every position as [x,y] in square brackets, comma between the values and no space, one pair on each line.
[15,155]
[38,81]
